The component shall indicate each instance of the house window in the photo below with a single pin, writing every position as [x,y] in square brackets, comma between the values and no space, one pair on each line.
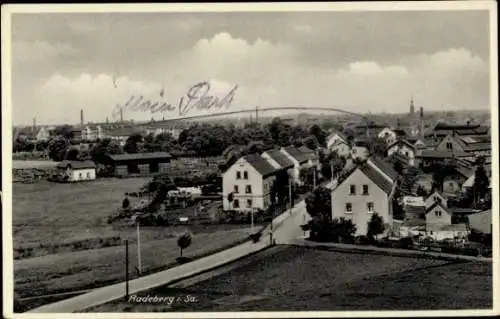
[449,145]
[248,189]
[437,199]
[245,175]
[236,190]
[88,175]
[236,203]
[352,190]
[369,205]
[438,213]
[238,175]
[348,207]
[80,175]
[249,203]
[365,189]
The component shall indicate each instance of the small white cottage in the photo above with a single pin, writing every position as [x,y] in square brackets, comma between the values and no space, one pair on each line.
[75,171]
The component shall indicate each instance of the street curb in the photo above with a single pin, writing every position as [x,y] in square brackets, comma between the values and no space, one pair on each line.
[413,254]
[189,276]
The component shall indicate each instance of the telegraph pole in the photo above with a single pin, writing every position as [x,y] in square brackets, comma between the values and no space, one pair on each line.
[139,264]
[126,269]
[290,194]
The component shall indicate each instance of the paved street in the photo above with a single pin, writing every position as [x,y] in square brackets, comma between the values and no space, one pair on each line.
[286,227]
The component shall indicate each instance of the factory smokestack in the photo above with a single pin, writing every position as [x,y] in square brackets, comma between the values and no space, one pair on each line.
[34,124]
[421,122]
[81,117]
[121,115]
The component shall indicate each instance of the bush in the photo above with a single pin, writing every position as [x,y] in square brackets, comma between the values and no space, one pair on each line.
[255,237]
[406,242]
[362,240]
[184,241]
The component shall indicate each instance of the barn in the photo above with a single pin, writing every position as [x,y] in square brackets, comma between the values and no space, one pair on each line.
[136,164]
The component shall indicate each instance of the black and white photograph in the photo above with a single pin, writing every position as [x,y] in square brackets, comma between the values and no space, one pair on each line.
[246,160]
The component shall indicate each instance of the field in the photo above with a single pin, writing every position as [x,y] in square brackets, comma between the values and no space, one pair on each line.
[27,164]
[300,278]
[50,215]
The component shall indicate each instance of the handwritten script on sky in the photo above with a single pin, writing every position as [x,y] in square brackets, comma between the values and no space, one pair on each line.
[196,98]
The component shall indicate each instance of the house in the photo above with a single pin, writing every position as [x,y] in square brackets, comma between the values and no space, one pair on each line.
[404,148]
[388,135]
[436,197]
[250,181]
[368,188]
[361,149]
[342,148]
[481,222]
[443,129]
[429,157]
[368,129]
[42,135]
[452,183]
[414,209]
[336,137]
[75,171]
[298,159]
[136,164]
[438,223]
[278,160]
[311,155]
[89,133]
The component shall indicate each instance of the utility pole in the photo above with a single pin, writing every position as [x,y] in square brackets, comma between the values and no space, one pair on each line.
[139,263]
[251,219]
[126,269]
[314,178]
[331,168]
[290,194]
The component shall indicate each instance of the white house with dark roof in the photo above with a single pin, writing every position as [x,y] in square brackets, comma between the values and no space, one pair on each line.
[299,160]
[335,138]
[250,181]
[76,171]
[341,147]
[368,189]
[404,148]
[438,224]
[436,197]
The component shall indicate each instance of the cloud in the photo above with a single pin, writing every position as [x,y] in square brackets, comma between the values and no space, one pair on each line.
[40,51]
[271,74]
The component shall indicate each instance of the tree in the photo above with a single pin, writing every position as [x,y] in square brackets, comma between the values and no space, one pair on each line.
[343,230]
[375,226]
[184,241]
[398,167]
[397,209]
[378,147]
[126,203]
[320,135]
[481,183]
[57,149]
[318,205]
[64,131]
[133,143]
[72,154]
[421,191]
[311,142]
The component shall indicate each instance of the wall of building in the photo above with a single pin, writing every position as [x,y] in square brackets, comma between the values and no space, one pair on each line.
[448,139]
[82,175]
[255,180]
[434,222]
[342,149]
[360,215]
[452,185]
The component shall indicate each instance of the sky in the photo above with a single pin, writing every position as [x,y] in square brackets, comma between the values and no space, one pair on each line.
[358,61]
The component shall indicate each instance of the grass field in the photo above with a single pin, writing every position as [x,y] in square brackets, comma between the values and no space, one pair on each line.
[56,214]
[300,278]
[27,164]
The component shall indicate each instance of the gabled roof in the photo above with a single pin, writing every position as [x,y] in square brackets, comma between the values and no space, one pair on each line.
[280,158]
[384,167]
[377,178]
[76,164]
[402,141]
[440,206]
[438,193]
[260,164]
[306,150]
[396,156]
[134,156]
[478,147]
[340,134]
[296,154]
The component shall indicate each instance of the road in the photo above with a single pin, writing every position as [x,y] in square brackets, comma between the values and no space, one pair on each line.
[286,227]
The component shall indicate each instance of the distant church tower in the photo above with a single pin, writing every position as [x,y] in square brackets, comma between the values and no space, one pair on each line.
[412,107]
